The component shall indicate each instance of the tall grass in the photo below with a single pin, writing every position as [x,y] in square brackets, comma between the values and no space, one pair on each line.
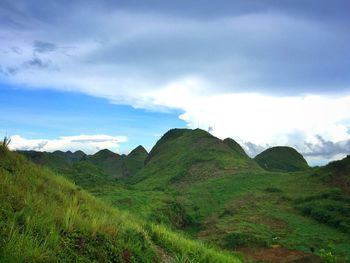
[46,218]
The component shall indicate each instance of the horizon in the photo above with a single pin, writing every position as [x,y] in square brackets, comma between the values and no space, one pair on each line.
[92,75]
[149,150]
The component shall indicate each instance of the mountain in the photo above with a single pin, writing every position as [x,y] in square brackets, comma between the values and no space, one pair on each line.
[211,190]
[236,147]
[282,158]
[337,173]
[46,218]
[108,161]
[188,156]
[91,170]
[57,160]
[69,156]
[134,161]
[119,166]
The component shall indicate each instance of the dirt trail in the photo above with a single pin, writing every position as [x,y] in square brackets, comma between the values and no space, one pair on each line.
[278,255]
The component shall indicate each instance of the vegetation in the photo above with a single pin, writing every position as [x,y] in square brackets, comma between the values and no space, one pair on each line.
[194,186]
[104,167]
[336,173]
[5,142]
[45,218]
[281,159]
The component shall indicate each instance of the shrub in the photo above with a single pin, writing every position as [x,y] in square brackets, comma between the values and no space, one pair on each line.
[236,240]
[273,190]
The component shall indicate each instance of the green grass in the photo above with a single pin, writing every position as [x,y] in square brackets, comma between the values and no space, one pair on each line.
[226,199]
[208,189]
[239,206]
[281,158]
[46,218]
[194,155]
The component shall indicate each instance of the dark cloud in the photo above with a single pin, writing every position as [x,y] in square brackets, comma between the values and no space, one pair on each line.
[326,148]
[16,50]
[290,47]
[38,63]
[12,70]
[322,149]
[43,47]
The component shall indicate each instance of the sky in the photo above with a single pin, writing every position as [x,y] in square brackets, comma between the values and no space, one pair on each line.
[95,74]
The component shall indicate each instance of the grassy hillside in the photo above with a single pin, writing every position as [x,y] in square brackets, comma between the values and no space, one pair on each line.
[211,190]
[197,183]
[89,171]
[336,173]
[235,146]
[135,160]
[281,158]
[56,160]
[184,156]
[109,162]
[45,218]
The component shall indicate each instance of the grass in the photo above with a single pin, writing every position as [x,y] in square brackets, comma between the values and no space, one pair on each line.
[203,188]
[238,208]
[46,218]
[281,158]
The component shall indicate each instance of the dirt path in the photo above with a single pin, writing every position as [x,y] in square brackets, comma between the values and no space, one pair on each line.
[278,255]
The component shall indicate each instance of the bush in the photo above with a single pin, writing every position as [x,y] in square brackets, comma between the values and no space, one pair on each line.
[236,240]
[273,190]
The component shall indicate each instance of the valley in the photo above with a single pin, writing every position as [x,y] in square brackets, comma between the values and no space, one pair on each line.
[202,188]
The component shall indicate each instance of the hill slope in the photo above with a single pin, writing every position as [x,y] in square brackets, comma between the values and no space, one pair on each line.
[210,189]
[90,170]
[235,146]
[134,161]
[281,158]
[45,218]
[337,173]
[184,156]
[108,161]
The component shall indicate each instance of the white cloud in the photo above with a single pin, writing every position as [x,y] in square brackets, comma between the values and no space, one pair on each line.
[309,123]
[87,143]
[205,67]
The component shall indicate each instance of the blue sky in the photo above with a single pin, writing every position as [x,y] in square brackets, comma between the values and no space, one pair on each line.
[114,74]
[49,114]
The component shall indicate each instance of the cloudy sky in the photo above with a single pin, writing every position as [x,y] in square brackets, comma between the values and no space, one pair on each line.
[115,74]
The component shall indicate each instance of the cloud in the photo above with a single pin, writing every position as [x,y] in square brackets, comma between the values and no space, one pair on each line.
[87,143]
[122,52]
[326,148]
[318,152]
[214,62]
[253,149]
[37,62]
[315,125]
[43,47]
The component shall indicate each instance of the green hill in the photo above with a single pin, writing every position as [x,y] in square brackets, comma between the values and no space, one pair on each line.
[90,171]
[184,156]
[337,173]
[135,161]
[235,146]
[45,218]
[209,189]
[281,158]
[69,156]
[57,160]
[108,161]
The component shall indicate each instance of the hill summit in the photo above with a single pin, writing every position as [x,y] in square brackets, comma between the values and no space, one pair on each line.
[281,158]
[185,155]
